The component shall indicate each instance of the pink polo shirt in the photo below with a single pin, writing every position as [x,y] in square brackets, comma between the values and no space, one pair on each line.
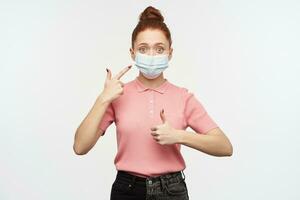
[137,110]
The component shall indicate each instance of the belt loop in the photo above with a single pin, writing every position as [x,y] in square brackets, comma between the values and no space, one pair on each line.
[162,183]
[132,184]
[183,175]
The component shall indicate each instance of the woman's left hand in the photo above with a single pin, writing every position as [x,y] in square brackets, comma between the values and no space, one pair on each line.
[165,133]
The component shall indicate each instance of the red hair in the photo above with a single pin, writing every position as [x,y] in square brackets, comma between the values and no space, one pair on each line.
[151,18]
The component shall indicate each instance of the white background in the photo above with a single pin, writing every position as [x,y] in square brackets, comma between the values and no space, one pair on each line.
[240,58]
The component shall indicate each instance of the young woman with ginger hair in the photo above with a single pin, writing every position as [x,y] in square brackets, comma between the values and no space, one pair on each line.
[151,115]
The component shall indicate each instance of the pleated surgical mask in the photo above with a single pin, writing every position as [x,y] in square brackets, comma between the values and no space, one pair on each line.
[151,66]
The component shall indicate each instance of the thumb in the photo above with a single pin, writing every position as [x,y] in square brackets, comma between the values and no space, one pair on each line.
[162,116]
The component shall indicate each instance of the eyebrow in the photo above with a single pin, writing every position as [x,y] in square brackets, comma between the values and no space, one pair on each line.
[154,44]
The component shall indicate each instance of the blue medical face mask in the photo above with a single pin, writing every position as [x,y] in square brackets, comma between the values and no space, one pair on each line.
[151,66]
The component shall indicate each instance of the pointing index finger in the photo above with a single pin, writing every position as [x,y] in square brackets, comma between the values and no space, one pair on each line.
[121,73]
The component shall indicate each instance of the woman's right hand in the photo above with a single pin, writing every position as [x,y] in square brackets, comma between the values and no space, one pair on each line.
[113,87]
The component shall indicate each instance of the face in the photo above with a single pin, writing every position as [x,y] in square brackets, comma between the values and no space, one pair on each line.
[151,42]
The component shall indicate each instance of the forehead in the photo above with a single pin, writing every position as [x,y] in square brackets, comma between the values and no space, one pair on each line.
[151,37]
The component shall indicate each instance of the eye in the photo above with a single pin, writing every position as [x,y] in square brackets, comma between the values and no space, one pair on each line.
[142,49]
[160,50]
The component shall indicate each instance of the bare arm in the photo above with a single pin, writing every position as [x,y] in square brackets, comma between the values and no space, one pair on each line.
[214,142]
[88,132]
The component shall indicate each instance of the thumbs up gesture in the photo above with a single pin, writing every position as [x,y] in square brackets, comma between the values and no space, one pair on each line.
[165,133]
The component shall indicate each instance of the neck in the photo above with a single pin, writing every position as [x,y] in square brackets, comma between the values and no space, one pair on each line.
[152,83]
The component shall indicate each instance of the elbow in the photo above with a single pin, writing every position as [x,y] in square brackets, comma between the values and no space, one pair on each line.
[229,150]
[226,150]
[78,151]
[77,147]
[229,153]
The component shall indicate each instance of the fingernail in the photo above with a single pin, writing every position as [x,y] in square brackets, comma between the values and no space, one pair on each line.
[106,69]
[129,66]
[162,110]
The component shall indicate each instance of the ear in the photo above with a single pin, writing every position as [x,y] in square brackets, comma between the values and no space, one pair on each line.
[132,54]
[171,53]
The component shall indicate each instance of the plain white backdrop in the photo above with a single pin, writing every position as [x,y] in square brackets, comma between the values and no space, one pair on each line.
[240,58]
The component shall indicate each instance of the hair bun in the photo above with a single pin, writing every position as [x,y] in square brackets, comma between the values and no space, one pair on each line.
[151,13]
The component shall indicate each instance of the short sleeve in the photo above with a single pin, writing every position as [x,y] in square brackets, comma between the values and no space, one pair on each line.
[195,114]
[108,118]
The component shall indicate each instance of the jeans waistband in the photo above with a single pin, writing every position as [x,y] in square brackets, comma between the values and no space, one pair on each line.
[178,174]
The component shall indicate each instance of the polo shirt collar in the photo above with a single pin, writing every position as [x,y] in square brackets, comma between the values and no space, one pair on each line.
[141,87]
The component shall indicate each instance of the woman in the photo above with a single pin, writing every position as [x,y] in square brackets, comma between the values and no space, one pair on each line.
[151,115]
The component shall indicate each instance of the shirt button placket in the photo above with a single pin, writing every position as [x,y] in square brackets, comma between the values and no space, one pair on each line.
[151,104]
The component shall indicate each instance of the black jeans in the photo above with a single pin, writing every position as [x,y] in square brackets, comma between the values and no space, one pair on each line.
[170,186]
